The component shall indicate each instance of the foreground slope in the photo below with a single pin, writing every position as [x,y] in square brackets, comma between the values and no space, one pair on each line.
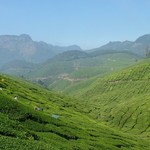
[121,100]
[34,118]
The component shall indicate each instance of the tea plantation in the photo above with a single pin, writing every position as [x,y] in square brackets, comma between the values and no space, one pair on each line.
[34,118]
[120,100]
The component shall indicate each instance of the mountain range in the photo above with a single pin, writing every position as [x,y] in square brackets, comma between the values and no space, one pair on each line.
[22,47]
[139,46]
[20,54]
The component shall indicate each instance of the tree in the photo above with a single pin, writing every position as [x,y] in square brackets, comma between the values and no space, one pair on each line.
[147,51]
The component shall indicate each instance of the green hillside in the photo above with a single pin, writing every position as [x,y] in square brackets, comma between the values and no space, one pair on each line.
[120,100]
[18,67]
[69,69]
[34,118]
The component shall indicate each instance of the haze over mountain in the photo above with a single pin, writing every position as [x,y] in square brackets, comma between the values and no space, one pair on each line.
[15,48]
[139,46]
[22,47]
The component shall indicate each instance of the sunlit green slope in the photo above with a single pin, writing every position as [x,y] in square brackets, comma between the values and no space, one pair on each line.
[120,100]
[60,74]
[34,118]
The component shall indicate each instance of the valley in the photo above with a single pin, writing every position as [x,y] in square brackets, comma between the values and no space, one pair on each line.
[74,75]
[76,100]
[61,71]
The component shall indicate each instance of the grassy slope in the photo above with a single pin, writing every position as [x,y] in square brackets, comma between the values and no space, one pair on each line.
[120,100]
[22,127]
[87,68]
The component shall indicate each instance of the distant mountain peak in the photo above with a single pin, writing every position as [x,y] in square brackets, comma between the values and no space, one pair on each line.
[70,55]
[137,47]
[25,37]
[145,39]
[74,47]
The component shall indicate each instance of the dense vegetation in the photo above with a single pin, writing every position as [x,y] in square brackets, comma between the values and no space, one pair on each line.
[120,100]
[34,118]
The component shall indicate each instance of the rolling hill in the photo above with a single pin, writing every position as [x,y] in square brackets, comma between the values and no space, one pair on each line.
[18,67]
[34,118]
[72,67]
[120,100]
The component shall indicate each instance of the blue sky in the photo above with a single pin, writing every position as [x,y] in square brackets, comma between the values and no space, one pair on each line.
[87,23]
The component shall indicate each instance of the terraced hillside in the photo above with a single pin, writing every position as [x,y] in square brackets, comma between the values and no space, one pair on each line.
[34,118]
[120,100]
